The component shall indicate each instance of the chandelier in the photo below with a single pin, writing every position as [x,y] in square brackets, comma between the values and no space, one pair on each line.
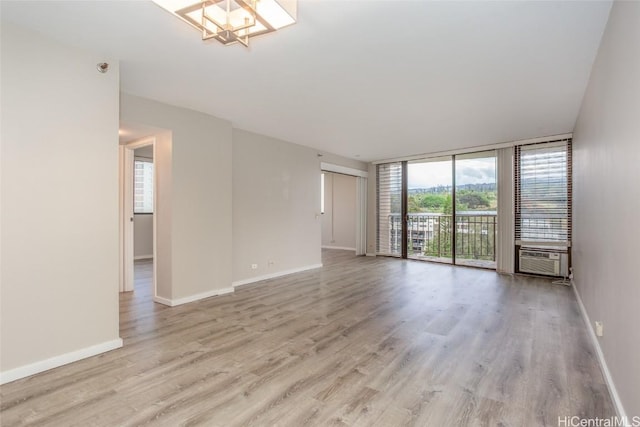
[233,21]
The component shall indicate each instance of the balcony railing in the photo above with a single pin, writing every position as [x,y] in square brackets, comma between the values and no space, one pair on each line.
[429,236]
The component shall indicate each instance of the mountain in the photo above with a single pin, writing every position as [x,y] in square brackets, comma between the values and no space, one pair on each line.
[484,187]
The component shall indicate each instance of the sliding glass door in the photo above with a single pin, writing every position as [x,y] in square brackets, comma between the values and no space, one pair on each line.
[476,209]
[429,209]
[439,209]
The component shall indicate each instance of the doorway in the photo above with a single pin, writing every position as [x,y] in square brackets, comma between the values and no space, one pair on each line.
[143,214]
[138,221]
[343,191]
[338,211]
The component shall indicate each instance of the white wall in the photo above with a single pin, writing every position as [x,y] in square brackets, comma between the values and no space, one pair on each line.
[143,236]
[339,218]
[276,205]
[163,167]
[606,159]
[145,152]
[335,159]
[59,160]
[196,234]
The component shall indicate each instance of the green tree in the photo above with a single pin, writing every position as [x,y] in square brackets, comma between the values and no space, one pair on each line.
[448,205]
[413,204]
[433,202]
[474,200]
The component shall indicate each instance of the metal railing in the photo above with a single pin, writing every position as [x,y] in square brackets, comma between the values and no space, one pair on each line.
[430,235]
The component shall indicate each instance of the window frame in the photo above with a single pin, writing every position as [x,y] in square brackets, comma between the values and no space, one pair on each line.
[136,160]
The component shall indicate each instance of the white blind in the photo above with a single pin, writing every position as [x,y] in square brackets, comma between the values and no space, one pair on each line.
[143,187]
[543,194]
[389,204]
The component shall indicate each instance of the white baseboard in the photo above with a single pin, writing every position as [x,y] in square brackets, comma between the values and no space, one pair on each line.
[601,360]
[163,301]
[143,257]
[342,248]
[223,291]
[274,275]
[368,254]
[192,298]
[54,362]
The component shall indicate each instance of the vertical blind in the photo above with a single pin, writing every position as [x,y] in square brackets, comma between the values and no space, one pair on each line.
[389,212]
[543,194]
[143,187]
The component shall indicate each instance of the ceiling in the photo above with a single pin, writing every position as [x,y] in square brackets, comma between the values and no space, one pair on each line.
[367,79]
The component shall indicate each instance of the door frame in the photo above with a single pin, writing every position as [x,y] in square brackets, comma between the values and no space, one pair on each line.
[361,201]
[126,160]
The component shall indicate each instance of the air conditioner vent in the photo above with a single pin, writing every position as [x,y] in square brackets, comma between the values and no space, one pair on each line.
[543,262]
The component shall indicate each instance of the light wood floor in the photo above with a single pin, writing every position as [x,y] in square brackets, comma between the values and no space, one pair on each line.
[362,341]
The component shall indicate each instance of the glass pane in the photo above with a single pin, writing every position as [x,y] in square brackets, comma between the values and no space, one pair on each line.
[476,209]
[143,187]
[429,209]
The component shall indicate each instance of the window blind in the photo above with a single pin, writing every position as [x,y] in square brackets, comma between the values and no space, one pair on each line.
[143,187]
[543,194]
[389,212]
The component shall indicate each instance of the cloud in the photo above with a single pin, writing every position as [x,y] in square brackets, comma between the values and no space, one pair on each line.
[468,171]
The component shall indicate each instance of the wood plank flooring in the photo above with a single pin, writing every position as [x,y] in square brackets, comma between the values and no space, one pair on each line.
[361,341]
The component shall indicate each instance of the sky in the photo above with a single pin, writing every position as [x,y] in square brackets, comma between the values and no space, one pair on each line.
[468,171]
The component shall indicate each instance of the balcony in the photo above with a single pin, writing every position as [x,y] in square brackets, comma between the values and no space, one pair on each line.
[429,237]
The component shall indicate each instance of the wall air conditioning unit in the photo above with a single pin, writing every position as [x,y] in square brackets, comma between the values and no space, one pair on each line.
[547,263]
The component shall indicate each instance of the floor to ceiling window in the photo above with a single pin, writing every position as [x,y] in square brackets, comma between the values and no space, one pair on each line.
[430,209]
[476,207]
[439,209]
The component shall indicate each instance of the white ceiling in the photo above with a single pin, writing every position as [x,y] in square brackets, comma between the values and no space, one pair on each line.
[374,79]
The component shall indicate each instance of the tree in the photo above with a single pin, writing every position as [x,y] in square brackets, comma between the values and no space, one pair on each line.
[448,205]
[433,202]
[474,200]
[413,204]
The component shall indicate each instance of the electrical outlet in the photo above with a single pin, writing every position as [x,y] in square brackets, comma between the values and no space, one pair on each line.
[599,328]
[254,266]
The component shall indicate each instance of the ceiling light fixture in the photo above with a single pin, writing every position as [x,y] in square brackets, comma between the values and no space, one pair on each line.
[233,21]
